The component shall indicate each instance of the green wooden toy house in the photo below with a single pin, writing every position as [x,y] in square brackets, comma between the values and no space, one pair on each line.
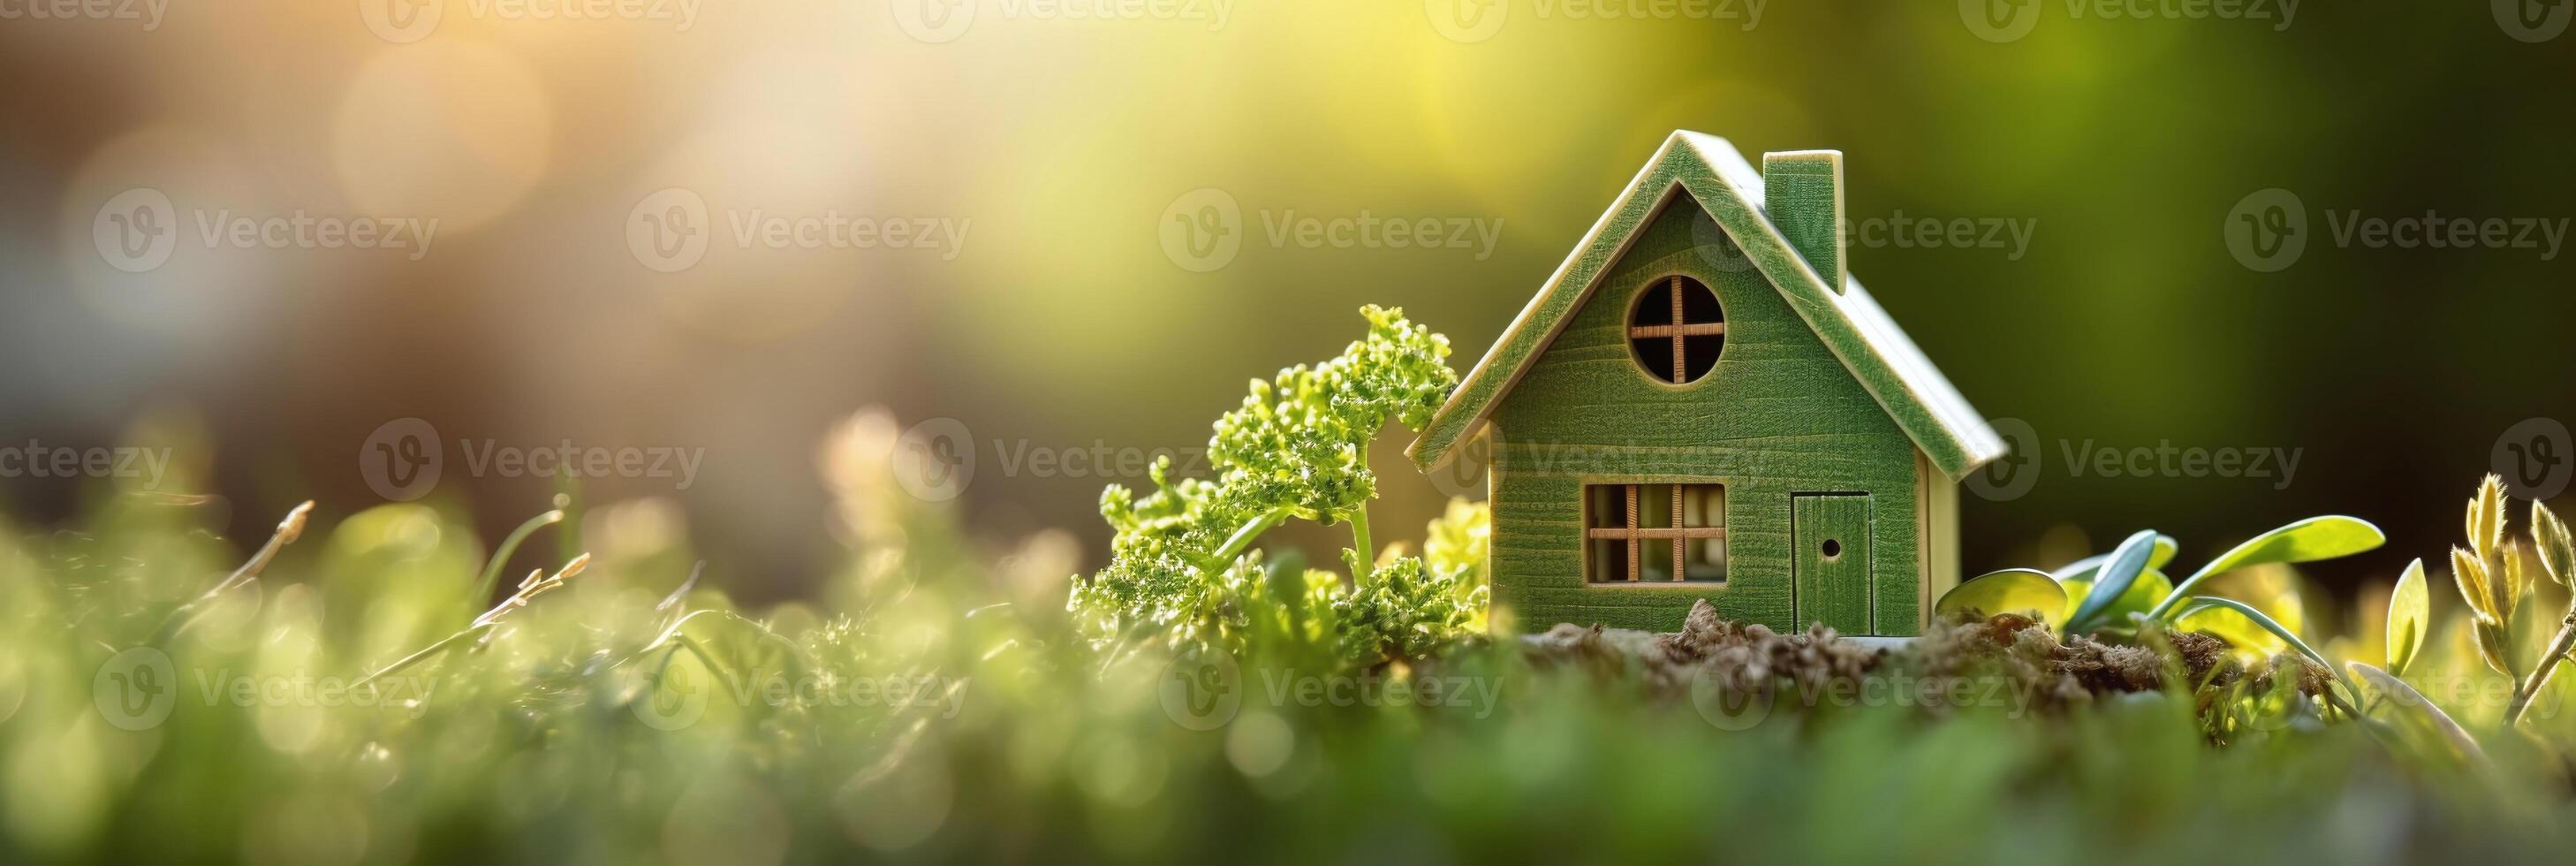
[1702,403]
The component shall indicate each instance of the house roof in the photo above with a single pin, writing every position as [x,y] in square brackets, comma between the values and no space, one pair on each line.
[1851,323]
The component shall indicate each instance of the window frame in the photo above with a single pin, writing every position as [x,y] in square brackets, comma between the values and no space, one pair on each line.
[1675,328]
[1597,572]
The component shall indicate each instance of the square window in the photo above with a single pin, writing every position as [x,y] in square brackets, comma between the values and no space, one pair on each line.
[1638,533]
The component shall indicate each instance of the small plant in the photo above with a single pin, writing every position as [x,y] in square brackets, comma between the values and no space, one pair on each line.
[2493,580]
[2119,590]
[1180,570]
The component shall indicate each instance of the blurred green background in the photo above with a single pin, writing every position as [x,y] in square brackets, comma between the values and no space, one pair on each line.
[1060,141]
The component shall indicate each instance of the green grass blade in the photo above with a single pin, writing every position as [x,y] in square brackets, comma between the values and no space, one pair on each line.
[2269,624]
[2420,709]
[491,576]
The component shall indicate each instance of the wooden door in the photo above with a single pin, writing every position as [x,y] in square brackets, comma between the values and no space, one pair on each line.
[1829,561]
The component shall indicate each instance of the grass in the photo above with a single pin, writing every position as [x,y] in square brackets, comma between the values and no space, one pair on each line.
[938,704]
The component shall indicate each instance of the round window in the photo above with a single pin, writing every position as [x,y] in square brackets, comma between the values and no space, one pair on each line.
[1676,329]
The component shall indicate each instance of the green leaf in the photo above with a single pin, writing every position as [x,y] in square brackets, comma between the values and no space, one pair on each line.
[2493,641]
[2308,540]
[2012,590]
[2486,517]
[2418,710]
[2211,602]
[2476,586]
[2409,614]
[2127,561]
[2239,631]
[2084,569]
[2557,550]
[2151,587]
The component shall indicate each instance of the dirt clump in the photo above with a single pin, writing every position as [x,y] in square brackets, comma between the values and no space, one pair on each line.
[2025,652]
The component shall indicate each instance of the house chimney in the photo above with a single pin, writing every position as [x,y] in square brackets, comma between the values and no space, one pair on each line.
[1803,191]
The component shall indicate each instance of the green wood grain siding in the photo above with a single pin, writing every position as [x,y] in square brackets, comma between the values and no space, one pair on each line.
[1803,194]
